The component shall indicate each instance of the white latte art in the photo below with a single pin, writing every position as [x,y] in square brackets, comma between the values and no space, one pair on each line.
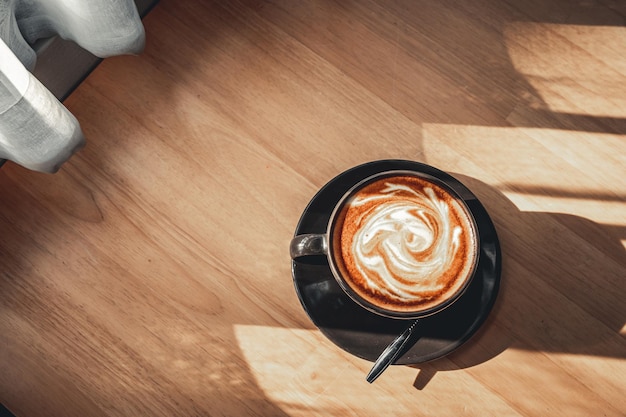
[403,246]
[406,243]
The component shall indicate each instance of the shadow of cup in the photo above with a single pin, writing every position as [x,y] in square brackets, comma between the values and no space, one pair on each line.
[560,291]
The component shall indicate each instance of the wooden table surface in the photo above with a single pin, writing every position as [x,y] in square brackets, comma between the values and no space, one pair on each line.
[151,275]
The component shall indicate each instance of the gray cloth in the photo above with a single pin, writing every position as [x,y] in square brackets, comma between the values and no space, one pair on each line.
[36,130]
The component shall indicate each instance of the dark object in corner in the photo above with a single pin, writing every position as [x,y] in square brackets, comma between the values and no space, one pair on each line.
[4,412]
[62,65]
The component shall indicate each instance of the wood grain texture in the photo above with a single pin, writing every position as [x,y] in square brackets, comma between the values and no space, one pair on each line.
[151,275]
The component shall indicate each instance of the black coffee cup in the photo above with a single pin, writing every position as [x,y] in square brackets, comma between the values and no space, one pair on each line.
[401,244]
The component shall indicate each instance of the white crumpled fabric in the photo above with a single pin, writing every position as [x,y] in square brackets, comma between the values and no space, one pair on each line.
[36,130]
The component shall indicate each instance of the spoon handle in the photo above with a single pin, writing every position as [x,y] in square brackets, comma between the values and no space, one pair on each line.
[391,353]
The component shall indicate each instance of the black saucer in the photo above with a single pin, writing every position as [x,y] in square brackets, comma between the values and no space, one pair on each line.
[366,334]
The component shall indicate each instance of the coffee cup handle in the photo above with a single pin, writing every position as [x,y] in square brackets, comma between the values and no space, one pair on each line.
[309,244]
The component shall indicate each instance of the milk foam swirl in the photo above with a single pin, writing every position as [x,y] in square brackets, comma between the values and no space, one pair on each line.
[404,244]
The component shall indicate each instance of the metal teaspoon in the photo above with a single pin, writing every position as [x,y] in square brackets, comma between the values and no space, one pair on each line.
[391,353]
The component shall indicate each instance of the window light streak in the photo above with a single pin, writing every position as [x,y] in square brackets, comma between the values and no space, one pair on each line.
[571,67]
[305,374]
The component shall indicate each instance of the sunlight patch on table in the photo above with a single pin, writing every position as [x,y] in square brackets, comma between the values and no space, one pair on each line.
[301,371]
[571,67]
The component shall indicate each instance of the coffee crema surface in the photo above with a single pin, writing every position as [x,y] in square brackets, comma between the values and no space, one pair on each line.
[404,244]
